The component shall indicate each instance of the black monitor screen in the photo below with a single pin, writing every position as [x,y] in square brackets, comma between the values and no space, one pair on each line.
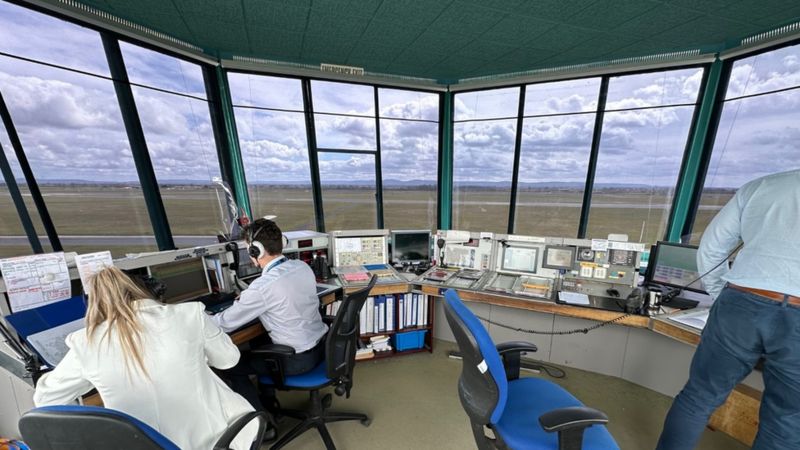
[183,279]
[246,267]
[411,247]
[559,257]
[675,265]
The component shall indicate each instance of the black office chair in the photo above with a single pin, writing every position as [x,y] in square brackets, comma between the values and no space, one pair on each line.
[341,344]
[495,397]
[73,427]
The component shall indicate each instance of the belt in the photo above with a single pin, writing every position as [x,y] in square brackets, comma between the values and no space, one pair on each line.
[772,295]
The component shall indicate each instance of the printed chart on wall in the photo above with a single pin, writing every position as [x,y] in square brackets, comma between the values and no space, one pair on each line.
[35,280]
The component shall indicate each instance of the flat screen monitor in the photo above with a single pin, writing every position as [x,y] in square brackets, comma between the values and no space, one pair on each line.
[246,267]
[675,265]
[183,279]
[520,259]
[559,257]
[359,250]
[411,246]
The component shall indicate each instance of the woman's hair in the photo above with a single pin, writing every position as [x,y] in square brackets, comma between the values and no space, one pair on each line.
[111,296]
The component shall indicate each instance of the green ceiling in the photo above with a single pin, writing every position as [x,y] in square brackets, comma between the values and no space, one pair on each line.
[449,40]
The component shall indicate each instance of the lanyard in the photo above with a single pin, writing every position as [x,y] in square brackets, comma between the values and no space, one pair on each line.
[276,263]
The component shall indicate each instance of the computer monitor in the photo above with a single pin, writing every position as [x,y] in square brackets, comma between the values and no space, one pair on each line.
[519,259]
[411,246]
[559,257]
[359,250]
[675,265]
[183,279]
[246,267]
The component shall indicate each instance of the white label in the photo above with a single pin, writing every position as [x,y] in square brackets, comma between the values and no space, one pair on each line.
[600,245]
[573,298]
[518,238]
[630,246]
[483,367]
[487,235]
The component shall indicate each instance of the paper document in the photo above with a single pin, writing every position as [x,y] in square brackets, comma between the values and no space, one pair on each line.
[696,319]
[36,280]
[50,345]
[573,298]
[91,263]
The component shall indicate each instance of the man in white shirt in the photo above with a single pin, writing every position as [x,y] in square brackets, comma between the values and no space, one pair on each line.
[756,313]
[284,298]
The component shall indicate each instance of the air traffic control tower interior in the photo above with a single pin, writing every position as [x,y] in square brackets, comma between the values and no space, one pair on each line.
[549,167]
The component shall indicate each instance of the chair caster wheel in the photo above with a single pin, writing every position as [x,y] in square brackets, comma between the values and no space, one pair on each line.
[366,422]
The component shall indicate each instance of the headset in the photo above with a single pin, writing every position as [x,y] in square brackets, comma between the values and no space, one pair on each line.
[255,249]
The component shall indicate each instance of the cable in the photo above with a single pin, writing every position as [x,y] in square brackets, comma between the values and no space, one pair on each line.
[560,332]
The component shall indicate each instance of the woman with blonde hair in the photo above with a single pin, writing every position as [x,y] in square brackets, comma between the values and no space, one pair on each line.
[150,361]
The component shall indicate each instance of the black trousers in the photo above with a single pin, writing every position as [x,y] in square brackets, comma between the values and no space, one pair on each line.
[249,364]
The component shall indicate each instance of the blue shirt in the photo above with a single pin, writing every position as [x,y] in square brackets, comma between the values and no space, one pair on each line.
[765,215]
[284,299]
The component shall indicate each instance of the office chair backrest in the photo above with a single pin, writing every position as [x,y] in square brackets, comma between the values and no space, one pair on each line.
[88,428]
[342,340]
[483,387]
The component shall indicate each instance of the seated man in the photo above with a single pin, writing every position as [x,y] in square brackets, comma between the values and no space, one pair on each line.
[284,299]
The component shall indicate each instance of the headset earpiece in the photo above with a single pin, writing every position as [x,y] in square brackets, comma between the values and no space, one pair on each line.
[256,249]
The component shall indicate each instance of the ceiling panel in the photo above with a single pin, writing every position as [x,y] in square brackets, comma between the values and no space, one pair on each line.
[454,39]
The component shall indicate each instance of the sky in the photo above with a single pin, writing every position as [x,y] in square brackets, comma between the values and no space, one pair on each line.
[71,127]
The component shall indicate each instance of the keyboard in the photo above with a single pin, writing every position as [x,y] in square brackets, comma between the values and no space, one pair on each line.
[216,301]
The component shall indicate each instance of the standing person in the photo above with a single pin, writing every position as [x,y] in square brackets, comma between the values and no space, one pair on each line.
[151,361]
[756,314]
[284,298]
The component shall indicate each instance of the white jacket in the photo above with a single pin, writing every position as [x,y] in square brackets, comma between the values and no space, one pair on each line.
[180,396]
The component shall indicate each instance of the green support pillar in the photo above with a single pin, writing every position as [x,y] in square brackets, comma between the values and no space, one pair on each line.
[445,160]
[695,161]
[239,184]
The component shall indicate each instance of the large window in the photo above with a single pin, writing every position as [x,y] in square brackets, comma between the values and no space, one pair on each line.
[758,131]
[272,133]
[171,100]
[554,156]
[645,128]
[12,235]
[484,133]
[72,132]
[409,131]
[344,119]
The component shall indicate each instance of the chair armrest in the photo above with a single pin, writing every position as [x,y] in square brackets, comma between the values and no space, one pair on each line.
[273,350]
[328,320]
[510,352]
[572,417]
[224,442]
[515,346]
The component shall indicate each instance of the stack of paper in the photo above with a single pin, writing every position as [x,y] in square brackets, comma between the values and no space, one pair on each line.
[364,353]
[379,344]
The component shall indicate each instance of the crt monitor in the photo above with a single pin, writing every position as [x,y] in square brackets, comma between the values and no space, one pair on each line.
[411,246]
[184,280]
[675,265]
[560,257]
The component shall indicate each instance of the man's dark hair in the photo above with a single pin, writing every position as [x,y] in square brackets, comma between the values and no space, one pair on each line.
[268,233]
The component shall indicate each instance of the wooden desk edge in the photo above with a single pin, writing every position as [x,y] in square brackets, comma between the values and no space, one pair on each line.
[544,306]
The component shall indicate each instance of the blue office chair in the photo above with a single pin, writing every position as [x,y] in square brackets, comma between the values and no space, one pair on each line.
[74,427]
[495,397]
[341,344]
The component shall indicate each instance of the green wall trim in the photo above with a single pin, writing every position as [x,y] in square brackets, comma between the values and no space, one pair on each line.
[446,161]
[685,191]
[239,185]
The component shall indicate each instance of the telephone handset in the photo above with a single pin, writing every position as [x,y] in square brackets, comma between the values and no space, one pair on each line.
[636,302]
